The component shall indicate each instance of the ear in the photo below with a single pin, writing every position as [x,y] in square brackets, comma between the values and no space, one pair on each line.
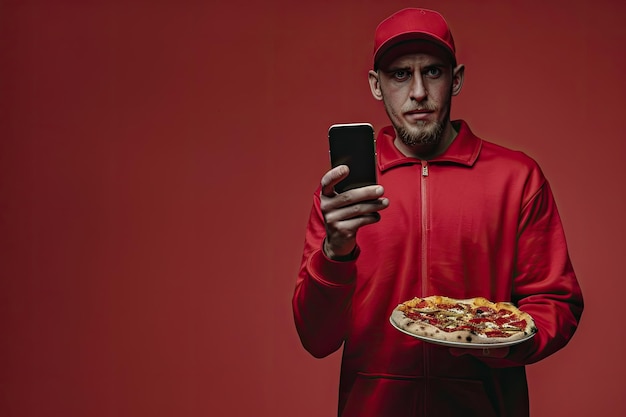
[458,74]
[375,85]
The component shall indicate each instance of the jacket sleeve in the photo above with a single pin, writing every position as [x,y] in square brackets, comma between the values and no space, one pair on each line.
[544,284]
[322,298]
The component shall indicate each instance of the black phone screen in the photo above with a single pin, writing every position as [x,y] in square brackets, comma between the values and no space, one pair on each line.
[353,145]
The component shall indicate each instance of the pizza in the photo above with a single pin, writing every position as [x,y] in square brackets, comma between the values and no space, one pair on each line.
[466,322]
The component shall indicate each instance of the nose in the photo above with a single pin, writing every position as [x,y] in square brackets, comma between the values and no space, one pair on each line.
[418,90]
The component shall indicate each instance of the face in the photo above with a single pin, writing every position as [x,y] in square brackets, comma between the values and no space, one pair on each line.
[416,83]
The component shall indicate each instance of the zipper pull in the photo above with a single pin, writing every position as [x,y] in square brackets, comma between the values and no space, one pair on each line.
[424,169]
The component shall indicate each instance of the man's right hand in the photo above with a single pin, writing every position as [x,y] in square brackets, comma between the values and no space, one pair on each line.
[346,212]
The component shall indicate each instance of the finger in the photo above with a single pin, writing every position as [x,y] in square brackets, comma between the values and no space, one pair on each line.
[348,227]
[369,193]
[369,208]
[332,177]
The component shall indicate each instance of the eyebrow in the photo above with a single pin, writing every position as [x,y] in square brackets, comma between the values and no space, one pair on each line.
[397,68]
[400,67]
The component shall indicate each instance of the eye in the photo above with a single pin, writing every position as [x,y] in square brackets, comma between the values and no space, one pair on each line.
[401,75]
[433,72]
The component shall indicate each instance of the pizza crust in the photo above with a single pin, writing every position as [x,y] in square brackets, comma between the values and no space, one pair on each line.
[462,336]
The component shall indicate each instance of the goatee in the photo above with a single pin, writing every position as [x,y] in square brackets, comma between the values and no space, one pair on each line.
[426,136]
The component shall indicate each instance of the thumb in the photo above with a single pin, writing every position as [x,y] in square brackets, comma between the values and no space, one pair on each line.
[332,178]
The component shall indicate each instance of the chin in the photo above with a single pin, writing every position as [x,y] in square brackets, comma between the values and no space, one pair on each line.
[428,135]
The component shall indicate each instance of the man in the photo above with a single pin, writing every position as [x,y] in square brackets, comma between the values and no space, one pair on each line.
[459,217]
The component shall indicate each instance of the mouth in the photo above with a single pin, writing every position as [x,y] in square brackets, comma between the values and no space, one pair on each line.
[416,115]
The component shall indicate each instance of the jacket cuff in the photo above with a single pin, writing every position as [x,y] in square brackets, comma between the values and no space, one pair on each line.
[332,272]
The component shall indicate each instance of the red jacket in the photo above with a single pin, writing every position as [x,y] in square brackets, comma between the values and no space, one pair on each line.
[479,220]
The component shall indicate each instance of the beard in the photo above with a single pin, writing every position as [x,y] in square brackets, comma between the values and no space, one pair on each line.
[422,135]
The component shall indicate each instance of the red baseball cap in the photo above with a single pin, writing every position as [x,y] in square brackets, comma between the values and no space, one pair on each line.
[412,24]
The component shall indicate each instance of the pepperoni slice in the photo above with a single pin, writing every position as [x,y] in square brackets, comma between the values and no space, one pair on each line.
[484,311]
[501,321]
[520,324]
[423,317]
[478,320]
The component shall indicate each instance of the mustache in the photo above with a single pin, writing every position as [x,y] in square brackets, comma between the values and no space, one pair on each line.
[419,108]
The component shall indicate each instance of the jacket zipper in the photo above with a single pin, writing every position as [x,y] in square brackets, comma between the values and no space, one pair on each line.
[424,268]
[424,208]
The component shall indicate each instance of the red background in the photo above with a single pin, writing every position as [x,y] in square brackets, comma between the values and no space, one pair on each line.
[157,160]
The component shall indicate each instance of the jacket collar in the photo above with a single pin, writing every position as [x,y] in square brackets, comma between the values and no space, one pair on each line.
[463,150]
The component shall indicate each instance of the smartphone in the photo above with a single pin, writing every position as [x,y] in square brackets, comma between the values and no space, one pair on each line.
[354,145]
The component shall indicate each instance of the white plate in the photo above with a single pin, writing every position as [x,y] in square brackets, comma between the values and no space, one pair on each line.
[464,344]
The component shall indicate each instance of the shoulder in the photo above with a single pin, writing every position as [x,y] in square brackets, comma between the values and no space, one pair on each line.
[504,160]
[491,150]
[516,168]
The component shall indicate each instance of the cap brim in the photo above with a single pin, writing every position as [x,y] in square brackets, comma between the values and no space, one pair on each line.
[406,37]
